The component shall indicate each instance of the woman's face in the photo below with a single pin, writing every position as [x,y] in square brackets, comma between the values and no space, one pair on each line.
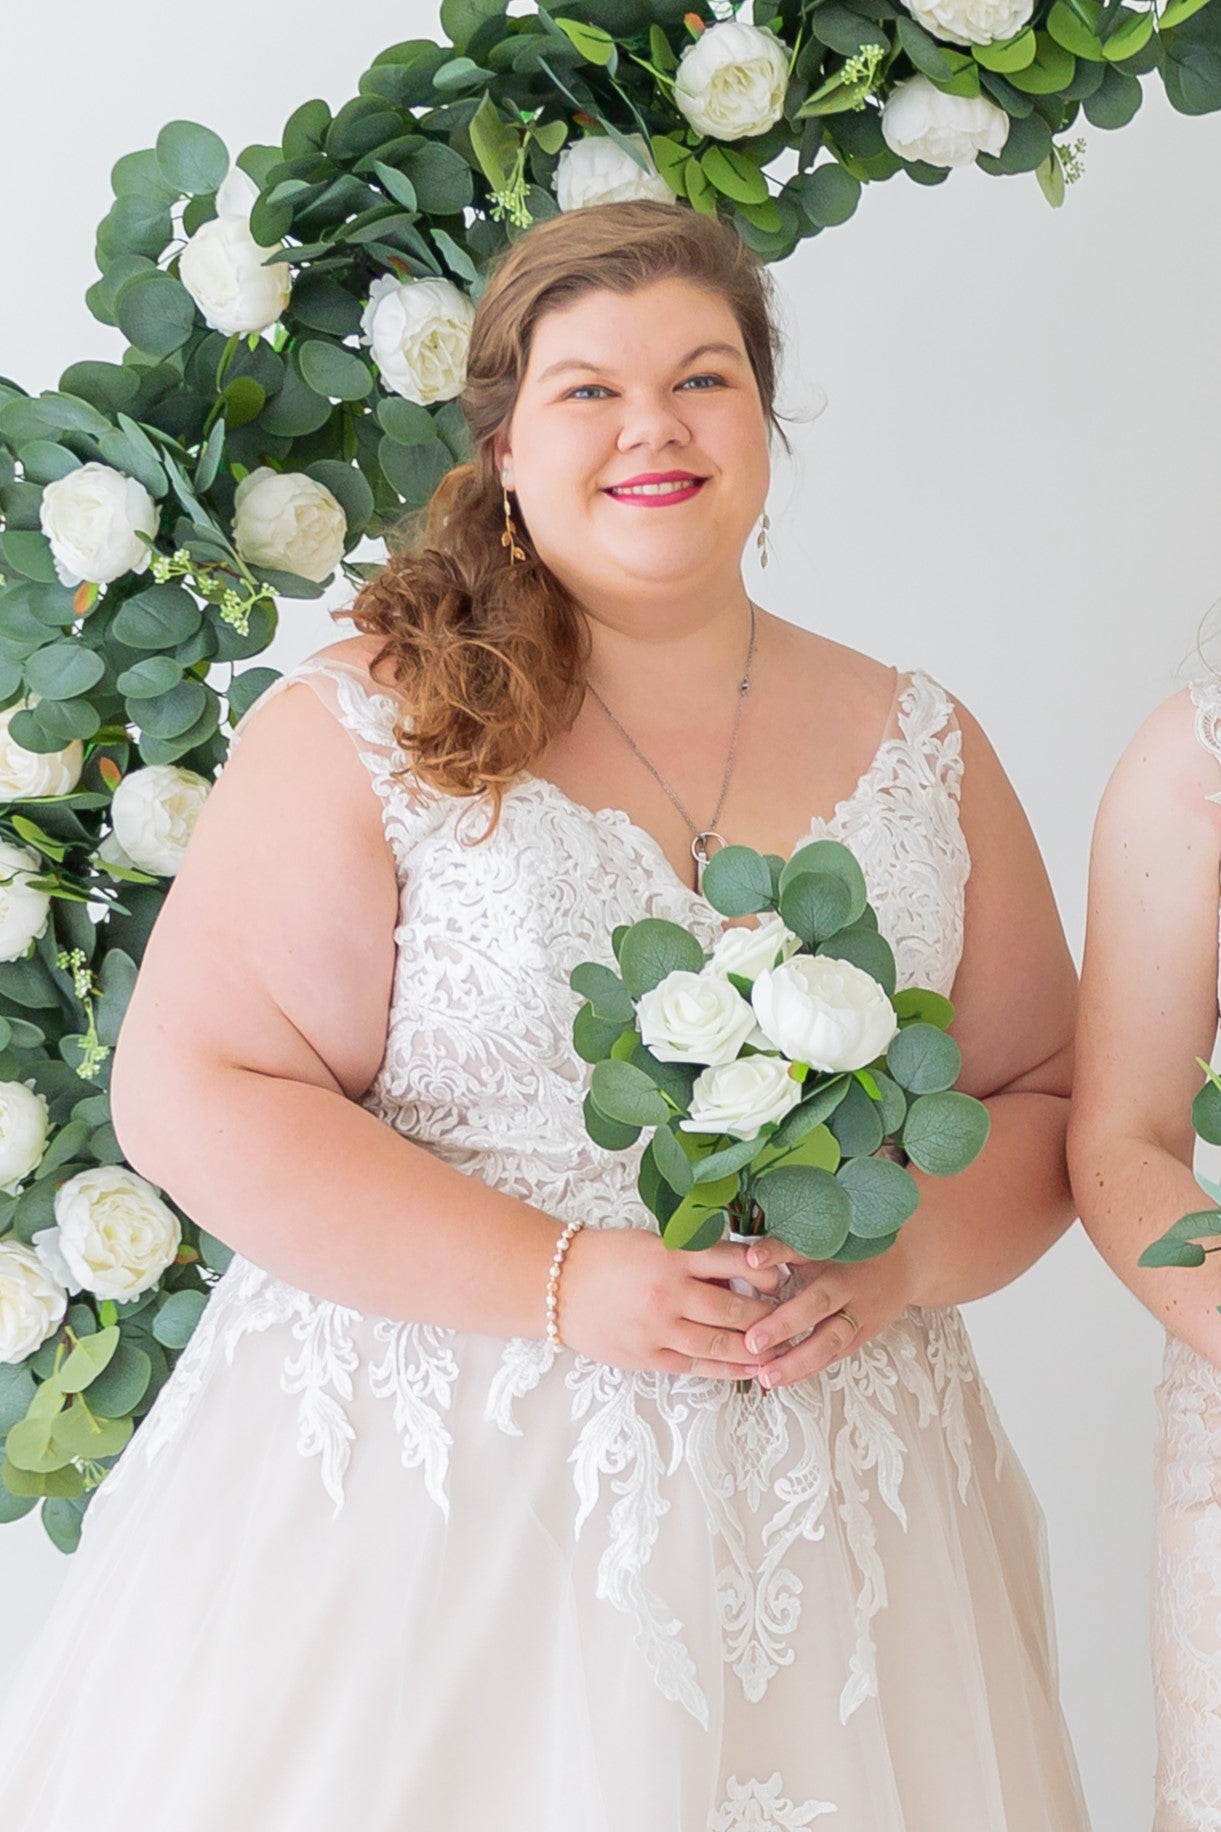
[619,388]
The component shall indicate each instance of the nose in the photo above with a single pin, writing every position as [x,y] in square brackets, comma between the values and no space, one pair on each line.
[653,421]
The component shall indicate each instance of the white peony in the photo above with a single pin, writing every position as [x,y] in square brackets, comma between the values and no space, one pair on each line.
[419,332]
[24,774]
[972,22]
[731,82]
[24,911]
[739,1097]
[32,1305]
[747,951]
[921,122]
[115,1233]
[222,266]
[824,1012]
[24,1124]
[596,170]
[694,1017]
[153,811]
[99,523]
[290,522]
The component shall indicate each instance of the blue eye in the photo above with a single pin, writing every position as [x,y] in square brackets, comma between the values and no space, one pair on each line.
[574,393]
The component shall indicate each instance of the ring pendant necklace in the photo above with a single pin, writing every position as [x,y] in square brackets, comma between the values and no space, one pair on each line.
[700,836]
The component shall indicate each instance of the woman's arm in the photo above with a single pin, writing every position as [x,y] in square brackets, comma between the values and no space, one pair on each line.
[1148,1011]
[1014,998]
[260,1016]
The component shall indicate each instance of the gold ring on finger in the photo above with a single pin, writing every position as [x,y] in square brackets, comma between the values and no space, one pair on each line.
[842,1312]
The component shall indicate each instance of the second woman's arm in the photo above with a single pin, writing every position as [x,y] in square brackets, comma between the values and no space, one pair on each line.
[1148,1011]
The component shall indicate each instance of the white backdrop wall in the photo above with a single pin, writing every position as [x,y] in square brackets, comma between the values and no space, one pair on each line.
[1013,484]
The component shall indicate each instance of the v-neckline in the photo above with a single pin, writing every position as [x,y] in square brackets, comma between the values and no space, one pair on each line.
[619,817]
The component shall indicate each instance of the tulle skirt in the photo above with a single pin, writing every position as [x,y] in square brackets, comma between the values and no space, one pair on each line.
[355,1574]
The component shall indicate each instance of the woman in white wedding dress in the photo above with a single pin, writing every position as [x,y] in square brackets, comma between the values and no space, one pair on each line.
[381,1556]
[1148,1017]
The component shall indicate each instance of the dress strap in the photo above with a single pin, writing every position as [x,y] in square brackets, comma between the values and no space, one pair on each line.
[369,715]
[1206,698]
[928,722]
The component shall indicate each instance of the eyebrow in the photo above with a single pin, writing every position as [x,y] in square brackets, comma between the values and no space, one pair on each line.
[705,349]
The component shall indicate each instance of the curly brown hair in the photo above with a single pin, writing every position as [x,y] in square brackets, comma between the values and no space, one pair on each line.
[489,657]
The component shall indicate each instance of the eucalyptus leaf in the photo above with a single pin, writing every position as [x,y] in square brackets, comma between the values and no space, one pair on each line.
[738,881]
[924,1060]
[191,158]
[625,1093]
[808,1208]
[883,1196]
[654,948]
[176,1318]
[612,1135]
[672,1161]
[945,1132]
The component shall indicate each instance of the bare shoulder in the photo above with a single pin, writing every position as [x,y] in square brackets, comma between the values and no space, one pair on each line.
[867,684]
[1166,772]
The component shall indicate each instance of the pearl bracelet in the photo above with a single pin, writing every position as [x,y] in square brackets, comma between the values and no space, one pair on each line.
[553,1282]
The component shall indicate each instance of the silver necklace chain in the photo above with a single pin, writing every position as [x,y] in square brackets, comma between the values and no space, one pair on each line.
[699,835]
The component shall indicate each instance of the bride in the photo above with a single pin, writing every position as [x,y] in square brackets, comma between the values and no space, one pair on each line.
[389,1552]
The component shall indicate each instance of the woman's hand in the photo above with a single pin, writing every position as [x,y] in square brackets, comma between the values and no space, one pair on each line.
[629,1300]
[876,1292]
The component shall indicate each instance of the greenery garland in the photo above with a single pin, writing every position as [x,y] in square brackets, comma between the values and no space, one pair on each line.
[296,329]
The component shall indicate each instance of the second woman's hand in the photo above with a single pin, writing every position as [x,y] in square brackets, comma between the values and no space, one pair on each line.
[629,1300]
[874,1292]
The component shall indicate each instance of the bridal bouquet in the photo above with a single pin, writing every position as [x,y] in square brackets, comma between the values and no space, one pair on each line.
[1180,1244]
[784,1080]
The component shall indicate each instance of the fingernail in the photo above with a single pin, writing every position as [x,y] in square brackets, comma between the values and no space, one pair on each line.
[755,1343]
[766,1377]
[754,1257]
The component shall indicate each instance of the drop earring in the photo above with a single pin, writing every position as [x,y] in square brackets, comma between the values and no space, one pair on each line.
[761,541]
[509,537]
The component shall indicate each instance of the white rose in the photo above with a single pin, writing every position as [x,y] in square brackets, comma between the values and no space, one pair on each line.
[115,1233]
[97,520]
[24,912]
[419,332]
[921,122]
[739,1097]
[32,1306]
[731,81]
[972,22]
[222,266]
[694,1017]
[290,522]
[153,811]
[24,1124]
[24,774]
[596,170]
[747,951]
[824,1012]
[109,852]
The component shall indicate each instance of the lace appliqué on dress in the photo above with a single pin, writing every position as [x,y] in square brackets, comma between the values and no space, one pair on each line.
[479,1068]
[759,1806]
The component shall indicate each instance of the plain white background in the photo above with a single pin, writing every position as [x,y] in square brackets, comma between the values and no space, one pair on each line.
[1013,485]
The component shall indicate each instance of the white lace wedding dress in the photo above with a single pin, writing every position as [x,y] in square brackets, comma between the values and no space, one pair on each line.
[374,1576]
[1187,1564]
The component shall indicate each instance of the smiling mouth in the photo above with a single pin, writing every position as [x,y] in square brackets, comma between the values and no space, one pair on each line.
[657,492]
